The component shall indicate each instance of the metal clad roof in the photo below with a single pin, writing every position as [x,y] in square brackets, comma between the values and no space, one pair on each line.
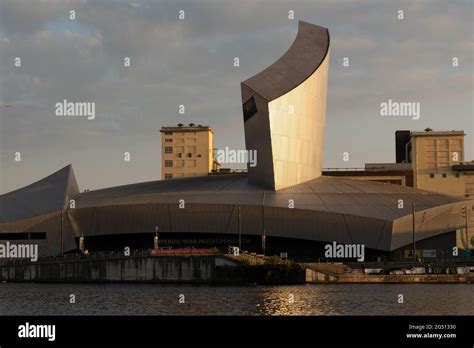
[44,196]
[325,194]
[350,197]
[298,63]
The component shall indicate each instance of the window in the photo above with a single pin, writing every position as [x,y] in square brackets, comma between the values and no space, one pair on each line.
[455,144]
[168,150]
[168,140]
[430,156]
[23,235]
[249,108]
[180,155]
[442,144]
[199,156]
[168,133]
[168,176]
[431,175]
[190,155]
[444,175]
[168,163]
[191,163]
[179,164]
[443,156]
[430,144]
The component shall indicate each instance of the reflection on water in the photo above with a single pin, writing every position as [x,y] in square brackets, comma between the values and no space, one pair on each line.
[154,299]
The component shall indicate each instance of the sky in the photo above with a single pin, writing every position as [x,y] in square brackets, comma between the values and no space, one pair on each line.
[190,61]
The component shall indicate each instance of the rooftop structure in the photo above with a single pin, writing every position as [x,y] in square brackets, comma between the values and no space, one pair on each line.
[186,151]
[284,109]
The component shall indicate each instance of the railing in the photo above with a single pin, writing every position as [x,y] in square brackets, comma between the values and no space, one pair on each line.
[169,252]
[251,259]
[323,258]
[343,169]
[409,264]
[99,255]
[108,255]
[232,171]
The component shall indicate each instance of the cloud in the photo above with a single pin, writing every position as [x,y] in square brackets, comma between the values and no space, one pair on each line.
[190,62]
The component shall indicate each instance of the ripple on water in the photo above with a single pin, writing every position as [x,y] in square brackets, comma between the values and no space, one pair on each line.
[157,299]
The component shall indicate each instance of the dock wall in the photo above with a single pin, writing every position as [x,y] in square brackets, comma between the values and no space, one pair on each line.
[165,269]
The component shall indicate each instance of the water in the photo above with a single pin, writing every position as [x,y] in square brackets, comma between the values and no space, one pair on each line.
[154,299]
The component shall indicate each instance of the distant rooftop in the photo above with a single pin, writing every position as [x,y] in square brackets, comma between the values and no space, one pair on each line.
[388,166]
[431,132]
[464,167]
[186,128]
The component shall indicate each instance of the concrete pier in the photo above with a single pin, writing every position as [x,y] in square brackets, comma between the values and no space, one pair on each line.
[199,269]
[325,276]
[161,269]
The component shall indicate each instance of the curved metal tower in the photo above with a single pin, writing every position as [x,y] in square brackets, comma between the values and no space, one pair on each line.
[284,109]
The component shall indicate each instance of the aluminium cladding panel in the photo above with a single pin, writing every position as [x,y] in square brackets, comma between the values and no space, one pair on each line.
[284,109]
[214,218]
[239,186]
[328,184]
[297,123]
[300,188]
[304,56]
[365,205]
[46,195]
[72,189]
[258,138]
[428,223]
[304,224]
[218,218]
[370,232]
[424,201]
[156,191]
[327,227]
[250,198]
[201,184]
[50,224]
[305,201]
[124,219]
[369,186]
[119,219]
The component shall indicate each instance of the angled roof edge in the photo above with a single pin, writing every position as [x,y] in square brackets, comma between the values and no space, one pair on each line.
[37,182]
[308,51]
[43,196]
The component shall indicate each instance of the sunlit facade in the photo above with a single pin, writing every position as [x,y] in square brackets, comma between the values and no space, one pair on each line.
[285,112]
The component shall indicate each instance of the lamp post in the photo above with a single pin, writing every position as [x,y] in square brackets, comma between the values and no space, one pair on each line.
[467,231]
[81,244]
[156,238]
[240,232]
[264,237]
[464,215]
[62,241]
[414,245]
